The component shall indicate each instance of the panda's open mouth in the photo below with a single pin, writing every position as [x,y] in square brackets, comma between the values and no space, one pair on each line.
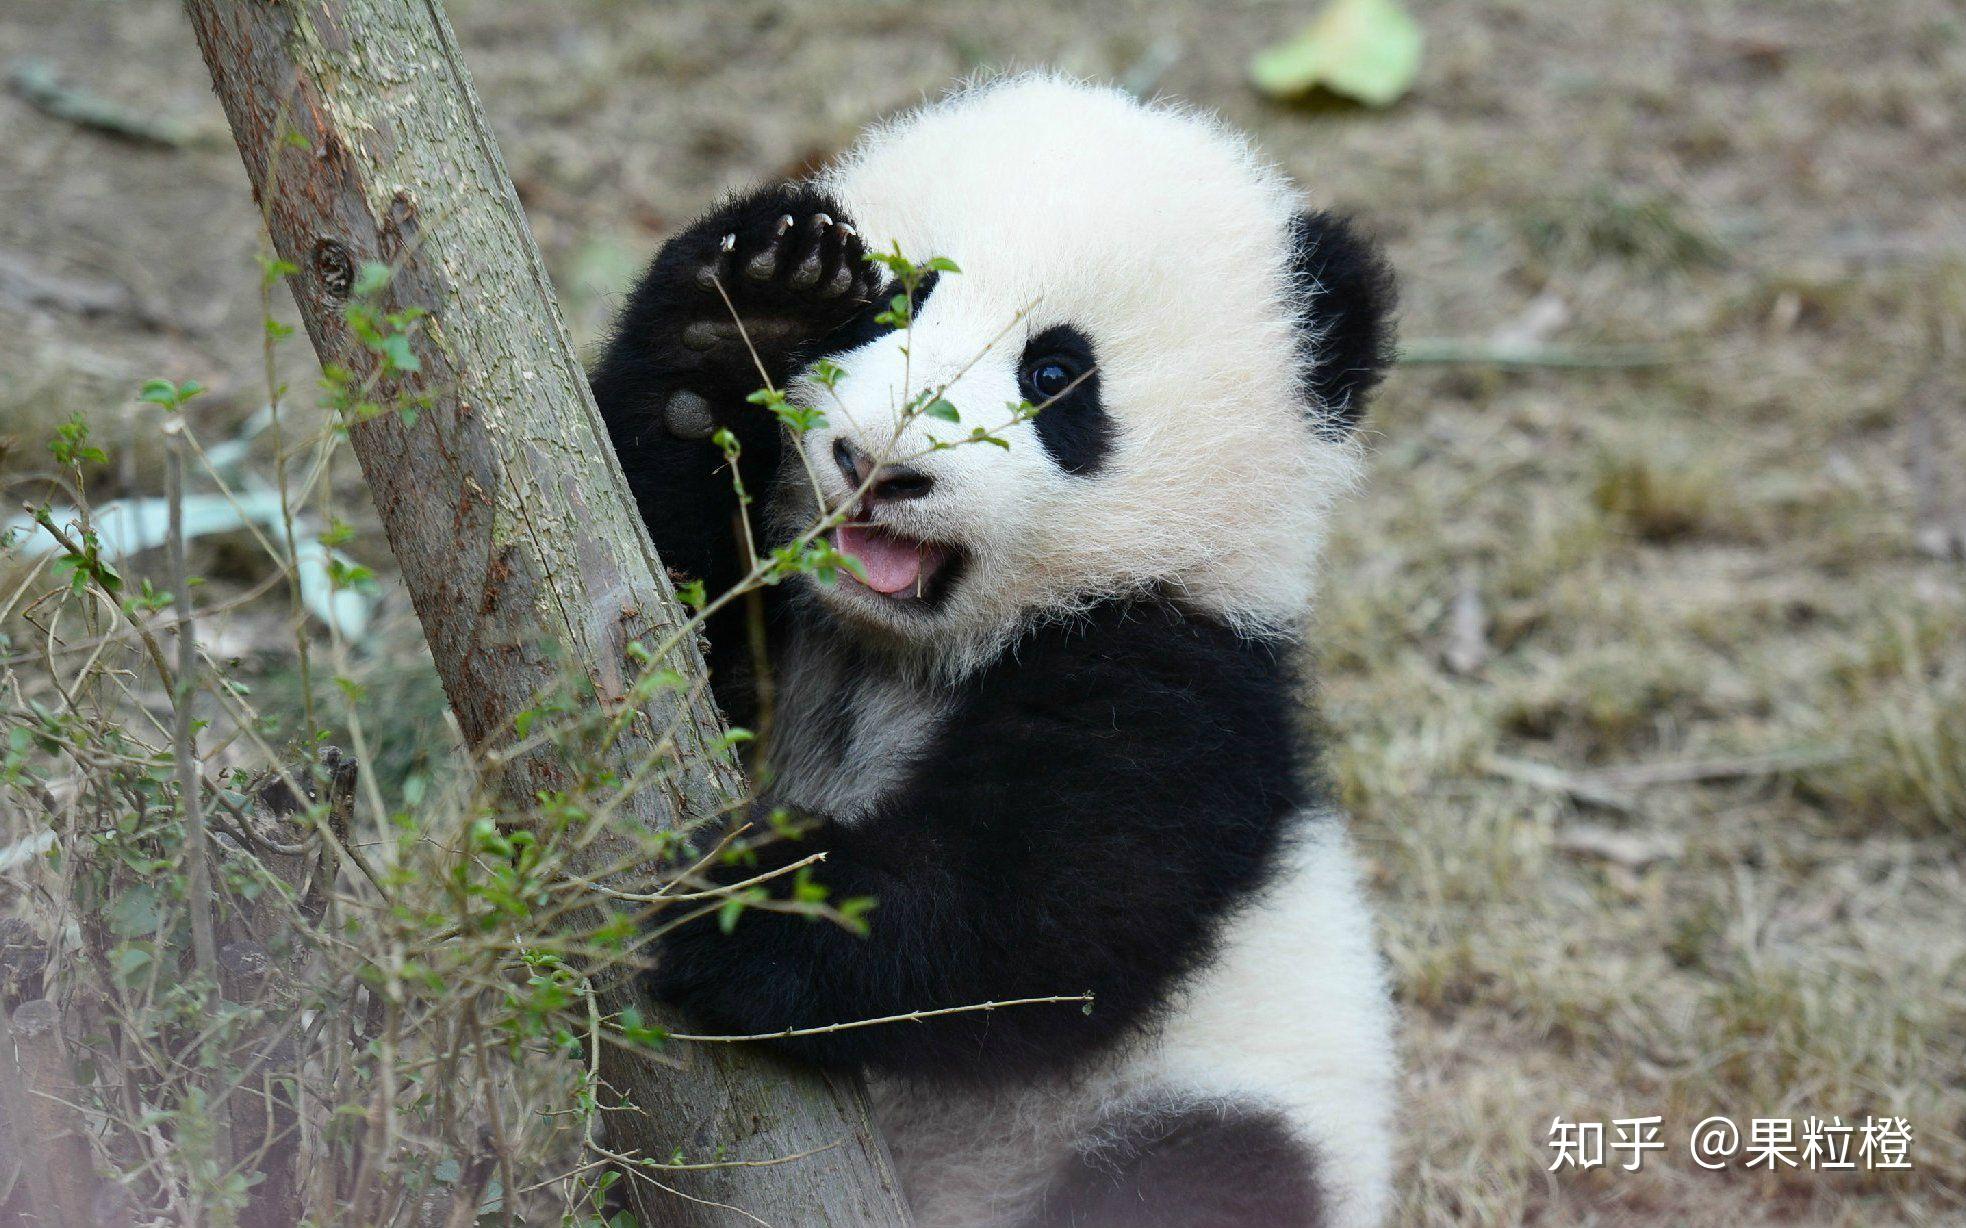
[895,566]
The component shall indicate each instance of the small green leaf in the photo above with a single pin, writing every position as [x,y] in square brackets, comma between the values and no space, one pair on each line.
[136,913]
[128,959]
[940,408]
[806,891]
[171,396]
[636,1031]
[396,353]
[343,575]
[272,269]
[1367,50]
[853,912]
[373,278]
[339,533]
[895,262]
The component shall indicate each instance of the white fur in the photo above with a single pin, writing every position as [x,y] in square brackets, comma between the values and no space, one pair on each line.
[1161,235]
[1292,1014]
[848,735]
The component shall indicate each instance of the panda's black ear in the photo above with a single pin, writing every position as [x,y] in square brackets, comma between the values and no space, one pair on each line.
[1345,329]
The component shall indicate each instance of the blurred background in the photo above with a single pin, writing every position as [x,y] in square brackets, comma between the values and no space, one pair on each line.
[1644,653]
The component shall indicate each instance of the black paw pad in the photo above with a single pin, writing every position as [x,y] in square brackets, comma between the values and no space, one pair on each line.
[688,416]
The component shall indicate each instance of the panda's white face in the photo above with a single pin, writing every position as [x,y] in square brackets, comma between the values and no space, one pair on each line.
[1128,264]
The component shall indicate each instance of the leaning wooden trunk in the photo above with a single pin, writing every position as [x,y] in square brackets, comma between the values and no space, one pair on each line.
[509,518]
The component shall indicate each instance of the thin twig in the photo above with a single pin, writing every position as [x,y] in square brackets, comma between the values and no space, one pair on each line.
[664,897]
[910,1017]
[1703,771]
[1556,780]
[184,739]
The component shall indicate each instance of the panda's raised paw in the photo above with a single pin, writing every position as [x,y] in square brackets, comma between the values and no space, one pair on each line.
[741,298]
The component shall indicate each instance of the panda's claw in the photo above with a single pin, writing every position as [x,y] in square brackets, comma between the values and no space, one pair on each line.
[714,270]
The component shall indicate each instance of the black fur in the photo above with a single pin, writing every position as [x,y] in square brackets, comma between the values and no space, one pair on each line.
[1090,810]
[864,327]
[1206,1166]
[1347,328]
[1074,426]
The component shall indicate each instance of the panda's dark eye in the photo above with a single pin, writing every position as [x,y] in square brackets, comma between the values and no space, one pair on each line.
[1049,377]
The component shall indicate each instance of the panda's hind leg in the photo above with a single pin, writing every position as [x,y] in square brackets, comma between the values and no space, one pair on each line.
[1202,1164]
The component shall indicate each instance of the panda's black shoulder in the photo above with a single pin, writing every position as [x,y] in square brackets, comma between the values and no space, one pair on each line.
[1135,650]
[1139,694]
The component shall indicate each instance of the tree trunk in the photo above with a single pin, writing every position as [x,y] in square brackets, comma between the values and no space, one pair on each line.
[509,517]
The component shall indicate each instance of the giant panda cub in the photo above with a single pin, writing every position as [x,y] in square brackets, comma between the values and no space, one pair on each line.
[1055,725]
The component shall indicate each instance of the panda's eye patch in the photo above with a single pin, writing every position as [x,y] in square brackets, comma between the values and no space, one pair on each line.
[1060,377]
[1049,377]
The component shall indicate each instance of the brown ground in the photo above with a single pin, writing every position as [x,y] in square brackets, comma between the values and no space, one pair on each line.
[1739,552]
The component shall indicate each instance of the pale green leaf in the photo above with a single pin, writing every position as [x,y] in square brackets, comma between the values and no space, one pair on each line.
[1368,50]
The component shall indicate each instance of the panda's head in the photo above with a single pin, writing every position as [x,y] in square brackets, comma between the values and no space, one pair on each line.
[1200,344]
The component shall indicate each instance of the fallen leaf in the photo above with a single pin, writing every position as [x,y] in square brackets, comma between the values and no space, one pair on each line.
[1368,50]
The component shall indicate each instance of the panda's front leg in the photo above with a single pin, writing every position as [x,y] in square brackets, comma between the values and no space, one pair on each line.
[773,971]
[727,306]
[736,301]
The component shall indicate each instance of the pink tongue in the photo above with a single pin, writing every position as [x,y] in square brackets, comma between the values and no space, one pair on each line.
[891,564]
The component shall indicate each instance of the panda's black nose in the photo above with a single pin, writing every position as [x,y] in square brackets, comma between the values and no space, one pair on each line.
[900,482]
[891,483]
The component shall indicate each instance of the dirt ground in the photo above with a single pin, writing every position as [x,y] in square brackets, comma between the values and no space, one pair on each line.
[1644,664]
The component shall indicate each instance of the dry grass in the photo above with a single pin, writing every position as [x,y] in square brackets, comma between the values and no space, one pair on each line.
[1703,562]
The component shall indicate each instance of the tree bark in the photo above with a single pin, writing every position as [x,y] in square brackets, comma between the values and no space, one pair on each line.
[508,515]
